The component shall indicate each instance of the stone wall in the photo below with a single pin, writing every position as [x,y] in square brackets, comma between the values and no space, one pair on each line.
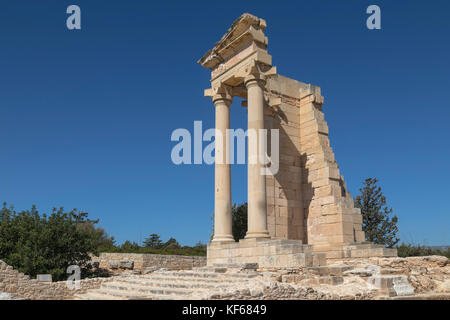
[266,253]
[307,199]
[20,286]
[285,212]
[142,261]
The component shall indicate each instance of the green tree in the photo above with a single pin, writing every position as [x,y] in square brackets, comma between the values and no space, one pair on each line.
[239,221]
[172,243]
[153,241]
[129,246]
[101,238]
[200,244]
[34,243]
[378,226]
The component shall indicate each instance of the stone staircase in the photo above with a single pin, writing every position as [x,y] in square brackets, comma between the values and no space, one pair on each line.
[224,280]
[196,284]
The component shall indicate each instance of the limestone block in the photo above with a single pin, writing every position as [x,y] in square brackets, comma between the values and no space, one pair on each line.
[126,264]
[313,127]
[290,111]
[321,153]
[44,277]
[319,259]
[290,131]
[331,280]
[319,183]
[348,228]
[290,203]
[311,115]
[287,159]
[313,141]
[359,235]
[286,86]
[306,108]
[357,219]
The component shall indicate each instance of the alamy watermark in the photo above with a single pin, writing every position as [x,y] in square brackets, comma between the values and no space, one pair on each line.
[73,282]
[215,152]
[374,20]
[73,21]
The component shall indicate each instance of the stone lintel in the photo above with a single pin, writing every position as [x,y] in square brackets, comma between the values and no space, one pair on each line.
[234,72]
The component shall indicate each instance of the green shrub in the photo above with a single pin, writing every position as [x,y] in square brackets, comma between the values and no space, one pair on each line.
[408,250]
[40,244]
[167,248]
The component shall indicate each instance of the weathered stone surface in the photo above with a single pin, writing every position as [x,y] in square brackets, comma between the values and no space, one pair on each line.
[20,286]
[44,277]
[125,264]
[143,261]
[150,269]
[270,283]
[402,287]
[264,253]
[5,296]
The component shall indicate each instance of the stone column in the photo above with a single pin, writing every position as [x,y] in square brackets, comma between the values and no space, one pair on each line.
[257,210]
[222,189]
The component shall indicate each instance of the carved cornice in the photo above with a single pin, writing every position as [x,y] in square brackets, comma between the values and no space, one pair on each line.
[246,29]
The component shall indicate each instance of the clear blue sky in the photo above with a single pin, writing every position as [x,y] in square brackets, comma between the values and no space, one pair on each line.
[86,116]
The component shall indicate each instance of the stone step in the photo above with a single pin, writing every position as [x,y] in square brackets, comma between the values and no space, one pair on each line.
[239,266]
[331,270]
[201,281]
[167,285]
[423,296]
[206,275]
[173,284]
[145,290]
[193,279]
[133,295]
[95,296]
[358,246]
[392,285]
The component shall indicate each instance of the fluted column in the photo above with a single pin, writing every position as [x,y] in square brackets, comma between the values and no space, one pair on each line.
[222,192]
[257,210]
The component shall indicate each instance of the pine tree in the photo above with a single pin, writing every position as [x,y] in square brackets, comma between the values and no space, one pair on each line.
[239,222]
[172,243]
[153,241]
[239,218]
[377,224]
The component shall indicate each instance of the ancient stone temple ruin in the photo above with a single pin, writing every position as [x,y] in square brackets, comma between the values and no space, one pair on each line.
[302,215]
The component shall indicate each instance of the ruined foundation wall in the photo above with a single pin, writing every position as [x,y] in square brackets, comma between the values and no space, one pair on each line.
[307,199]
[20,286]
[142,261]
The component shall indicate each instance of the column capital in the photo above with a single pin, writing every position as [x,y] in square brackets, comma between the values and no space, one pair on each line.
[220,92]
[226,98]
[255,78]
